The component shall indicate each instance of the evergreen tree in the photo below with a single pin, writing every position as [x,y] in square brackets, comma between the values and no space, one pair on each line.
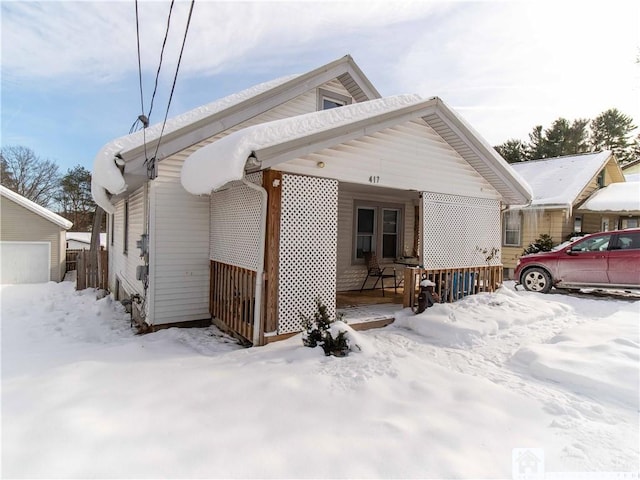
[29,175]
[513,151]
[610,131]
[536,147]
[75,200]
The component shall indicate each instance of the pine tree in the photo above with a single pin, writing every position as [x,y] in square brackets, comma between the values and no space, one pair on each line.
[513,151]
[75,200]
[610,131]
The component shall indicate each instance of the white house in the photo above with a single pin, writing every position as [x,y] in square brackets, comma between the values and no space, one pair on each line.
[260,202]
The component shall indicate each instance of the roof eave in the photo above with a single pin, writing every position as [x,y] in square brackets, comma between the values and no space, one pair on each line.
[218,122]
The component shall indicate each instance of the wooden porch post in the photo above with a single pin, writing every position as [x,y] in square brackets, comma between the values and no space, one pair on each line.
[272,183]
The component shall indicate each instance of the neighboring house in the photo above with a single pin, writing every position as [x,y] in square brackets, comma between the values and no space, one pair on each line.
[617,205]
[260,202]
[82,240]
[32,241]
[560,186]
[631,171]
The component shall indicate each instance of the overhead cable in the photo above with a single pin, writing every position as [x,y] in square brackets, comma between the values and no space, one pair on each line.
[175,78]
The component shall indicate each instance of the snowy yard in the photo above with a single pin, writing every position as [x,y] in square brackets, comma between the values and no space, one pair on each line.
[447,394]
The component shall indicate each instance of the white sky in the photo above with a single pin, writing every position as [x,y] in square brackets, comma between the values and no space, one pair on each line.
[69,69]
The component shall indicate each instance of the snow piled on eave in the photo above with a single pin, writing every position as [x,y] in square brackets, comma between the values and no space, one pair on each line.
[558,181]
[35,208]
[223,161]
[616,197]
[106,176]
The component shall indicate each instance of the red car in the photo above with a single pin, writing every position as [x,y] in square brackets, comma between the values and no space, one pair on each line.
[600,260]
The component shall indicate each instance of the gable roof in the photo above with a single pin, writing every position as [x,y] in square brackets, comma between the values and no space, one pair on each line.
[188,129]
[616,197]
[35,208]
[558,182]
[271,143]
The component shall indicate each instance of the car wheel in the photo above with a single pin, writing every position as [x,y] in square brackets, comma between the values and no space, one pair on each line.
[536,280]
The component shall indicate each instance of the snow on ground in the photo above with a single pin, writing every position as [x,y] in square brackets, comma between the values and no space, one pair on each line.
[446,394]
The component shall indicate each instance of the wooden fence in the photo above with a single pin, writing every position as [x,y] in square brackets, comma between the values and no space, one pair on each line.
[89,276]
[233,294]
[452,283]
[71,262]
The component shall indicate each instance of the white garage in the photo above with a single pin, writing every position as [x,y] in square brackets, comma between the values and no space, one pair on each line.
[25,262]
[32,241]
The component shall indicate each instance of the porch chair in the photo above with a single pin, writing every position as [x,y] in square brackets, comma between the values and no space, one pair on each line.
[374,270]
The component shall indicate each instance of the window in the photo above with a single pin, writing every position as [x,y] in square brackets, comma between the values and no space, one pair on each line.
[594,244]
[512,228]
[601,179]
[125,248]
[112,228]
[577,224]
[604,227]
[629,222]
[628,241]
[378,229]
[328,99]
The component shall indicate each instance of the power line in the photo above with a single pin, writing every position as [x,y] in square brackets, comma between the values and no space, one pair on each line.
[175,78]
[164,43]
[141,118]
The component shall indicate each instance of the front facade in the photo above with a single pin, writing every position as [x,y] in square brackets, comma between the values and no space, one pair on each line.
[254,222]
[560,186]
[32,241]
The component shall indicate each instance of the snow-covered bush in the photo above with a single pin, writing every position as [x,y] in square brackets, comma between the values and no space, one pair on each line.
[543,243]
[318,331]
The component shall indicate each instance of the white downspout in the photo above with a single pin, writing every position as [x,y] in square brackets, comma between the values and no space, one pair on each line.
[257,313]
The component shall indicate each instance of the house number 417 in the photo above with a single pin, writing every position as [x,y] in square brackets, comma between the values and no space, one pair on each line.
[374,179]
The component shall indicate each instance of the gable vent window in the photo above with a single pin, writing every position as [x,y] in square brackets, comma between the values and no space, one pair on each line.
[328,99]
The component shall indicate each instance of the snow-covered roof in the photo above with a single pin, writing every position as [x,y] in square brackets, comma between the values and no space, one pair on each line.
[106,175]
[615,197]
[85,237]
[35,208]
[223,161]
[557,182]
[204,122]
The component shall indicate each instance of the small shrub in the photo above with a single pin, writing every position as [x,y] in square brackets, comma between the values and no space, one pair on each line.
[318,331]
[541,244]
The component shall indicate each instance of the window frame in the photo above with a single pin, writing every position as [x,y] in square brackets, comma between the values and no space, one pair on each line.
[334,97]
[125,229]
[112,227]
[378,229]
[504,231]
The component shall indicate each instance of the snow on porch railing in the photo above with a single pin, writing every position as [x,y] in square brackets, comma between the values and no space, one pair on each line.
[452,283]
[232,300]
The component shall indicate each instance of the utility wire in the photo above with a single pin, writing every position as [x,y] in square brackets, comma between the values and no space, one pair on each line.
[164,43]
[175,78]
[142,117]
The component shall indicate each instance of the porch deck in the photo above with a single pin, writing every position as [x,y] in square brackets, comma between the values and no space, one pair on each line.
[369,309]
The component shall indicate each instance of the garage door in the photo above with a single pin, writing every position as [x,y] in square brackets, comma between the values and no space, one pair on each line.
[25,262]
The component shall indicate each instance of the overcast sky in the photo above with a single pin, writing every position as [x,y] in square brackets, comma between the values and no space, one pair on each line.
[70,70]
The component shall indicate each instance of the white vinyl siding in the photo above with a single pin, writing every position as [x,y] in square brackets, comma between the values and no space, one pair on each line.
[19,224]
[123,265]
[410,156]
[179,227]
[179,249]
